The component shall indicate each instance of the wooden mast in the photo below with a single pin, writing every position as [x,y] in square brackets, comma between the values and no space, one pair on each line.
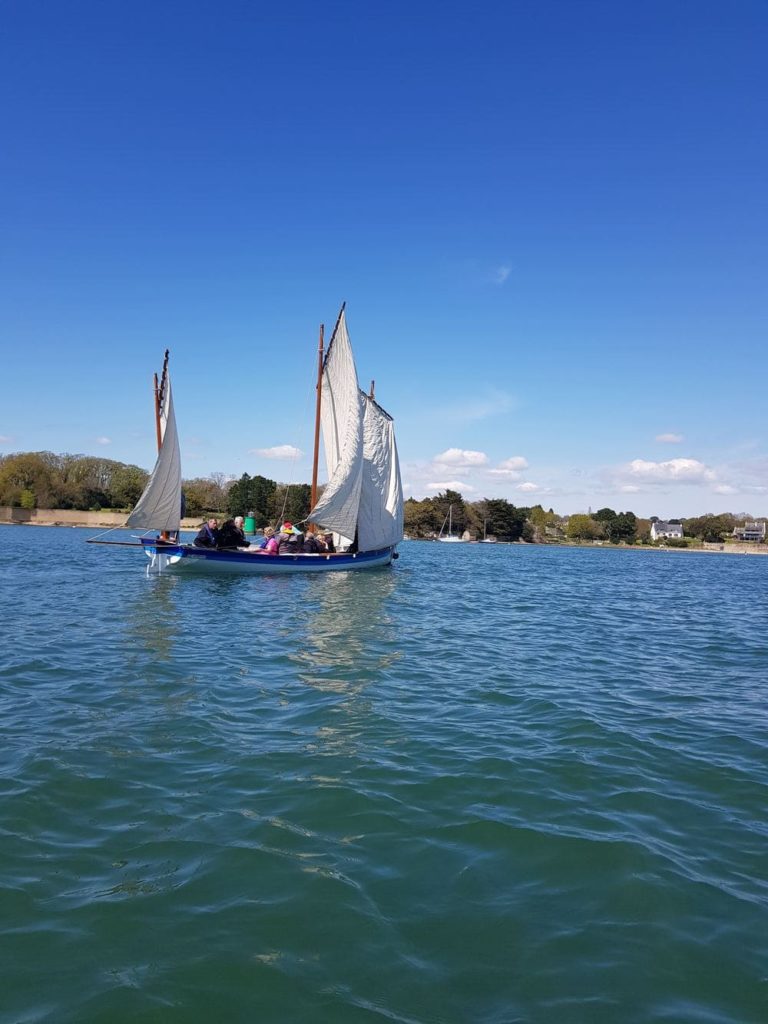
[316,452]
[320,362]
[159,395]
[160,387]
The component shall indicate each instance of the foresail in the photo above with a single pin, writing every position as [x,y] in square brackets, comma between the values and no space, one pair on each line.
[380,517]
[342,422]
[159,507]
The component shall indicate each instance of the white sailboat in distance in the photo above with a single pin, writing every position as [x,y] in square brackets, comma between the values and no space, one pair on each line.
[450,537]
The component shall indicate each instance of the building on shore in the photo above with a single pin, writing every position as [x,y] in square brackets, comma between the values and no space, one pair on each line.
[666,531]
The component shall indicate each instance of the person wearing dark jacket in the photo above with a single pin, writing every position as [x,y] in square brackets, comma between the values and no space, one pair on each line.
[313,545]
[231,534]
[208,535]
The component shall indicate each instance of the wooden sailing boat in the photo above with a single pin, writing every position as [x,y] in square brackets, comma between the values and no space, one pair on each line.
[362,503]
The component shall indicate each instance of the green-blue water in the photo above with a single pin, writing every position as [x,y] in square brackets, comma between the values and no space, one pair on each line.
[492,784]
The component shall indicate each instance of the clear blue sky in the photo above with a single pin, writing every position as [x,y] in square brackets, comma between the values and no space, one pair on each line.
[548,220]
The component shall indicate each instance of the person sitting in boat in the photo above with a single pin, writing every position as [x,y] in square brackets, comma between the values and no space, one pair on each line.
[289,542]
[313,545]
[330,547]
[208,535]
[269,533]
[231,534]
[270,547]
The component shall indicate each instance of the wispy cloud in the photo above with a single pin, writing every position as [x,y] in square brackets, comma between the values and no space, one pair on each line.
[726,489]
[493,403]
[528,486]
[5,438]
[279,451]
[451,485]
[669,438]
[501,274]
[460,458]
[103,440]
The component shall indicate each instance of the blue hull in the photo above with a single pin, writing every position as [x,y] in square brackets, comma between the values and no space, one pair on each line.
[185,557]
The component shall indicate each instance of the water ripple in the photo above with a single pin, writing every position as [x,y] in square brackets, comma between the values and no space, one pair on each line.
[494,784]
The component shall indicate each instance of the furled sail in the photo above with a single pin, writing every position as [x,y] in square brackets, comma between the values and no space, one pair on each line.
[342,422]
[380,517]
[159,507]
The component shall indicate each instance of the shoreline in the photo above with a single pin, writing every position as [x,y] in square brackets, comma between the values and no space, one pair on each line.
[116,521]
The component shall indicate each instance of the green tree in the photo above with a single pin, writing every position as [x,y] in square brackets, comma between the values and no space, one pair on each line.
[710,528]
[604,515]
[505,521]
[255,494]
[420,518]
[291,502]
[27,471]
[583,527]
[622,527]
[126,485]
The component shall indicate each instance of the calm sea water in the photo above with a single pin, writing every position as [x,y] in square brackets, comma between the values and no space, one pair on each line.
[492,784]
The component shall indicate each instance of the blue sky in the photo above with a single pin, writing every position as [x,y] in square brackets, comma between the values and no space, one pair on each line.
[548,221]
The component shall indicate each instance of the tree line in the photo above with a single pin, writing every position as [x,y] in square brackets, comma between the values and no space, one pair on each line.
[501,520]
[89,483]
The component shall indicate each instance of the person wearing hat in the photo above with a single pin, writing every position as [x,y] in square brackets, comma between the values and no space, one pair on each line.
[289,542]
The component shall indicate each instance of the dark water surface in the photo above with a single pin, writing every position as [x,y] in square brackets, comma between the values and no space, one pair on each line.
[493,784]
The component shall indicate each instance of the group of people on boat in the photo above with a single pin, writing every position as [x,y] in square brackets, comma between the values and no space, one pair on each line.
[288,540]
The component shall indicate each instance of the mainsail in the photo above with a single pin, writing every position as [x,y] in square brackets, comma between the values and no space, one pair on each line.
[159,507]
[364,493]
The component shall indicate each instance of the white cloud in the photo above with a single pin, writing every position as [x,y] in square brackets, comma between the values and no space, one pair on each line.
[726,489]
[528,486]
[5,439]
[672,471]
[669,438]
[103,440]
[630,489]
[460,458]
[501,274]
[511,468]
[279,451]
[516,462]
[450,485]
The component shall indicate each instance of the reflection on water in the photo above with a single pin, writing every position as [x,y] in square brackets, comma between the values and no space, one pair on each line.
[348,635]
[152,618]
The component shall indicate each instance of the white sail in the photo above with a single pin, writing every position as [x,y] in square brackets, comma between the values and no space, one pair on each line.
[380,517]
[342,422]
[159,507]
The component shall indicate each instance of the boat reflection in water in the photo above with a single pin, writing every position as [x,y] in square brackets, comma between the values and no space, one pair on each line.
[349,638]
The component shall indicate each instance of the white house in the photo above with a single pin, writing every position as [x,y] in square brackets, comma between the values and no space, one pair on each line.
[666,531]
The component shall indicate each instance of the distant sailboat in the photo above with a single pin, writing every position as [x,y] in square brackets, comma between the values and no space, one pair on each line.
[450,537]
